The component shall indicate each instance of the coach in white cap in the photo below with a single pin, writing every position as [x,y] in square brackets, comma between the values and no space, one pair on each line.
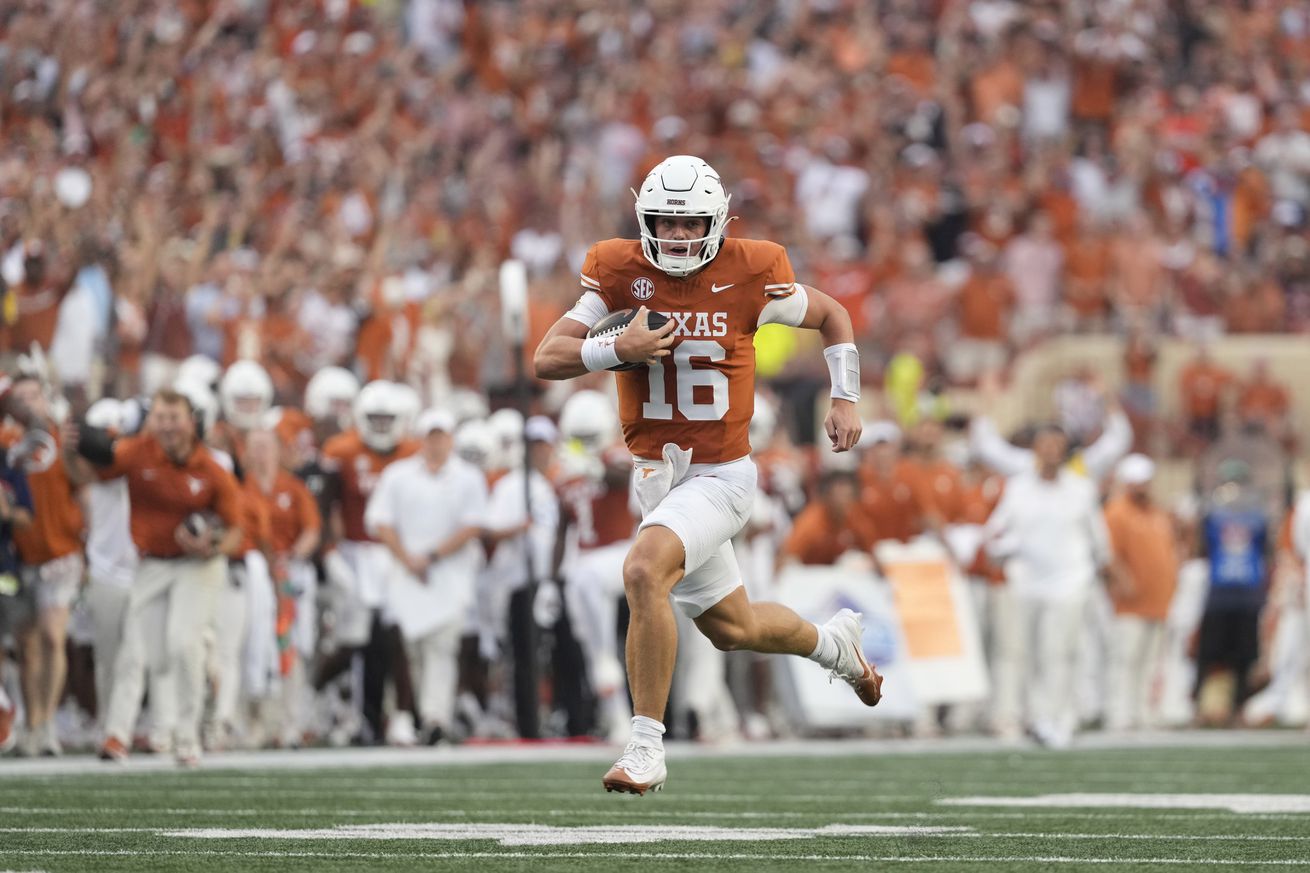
[427,510]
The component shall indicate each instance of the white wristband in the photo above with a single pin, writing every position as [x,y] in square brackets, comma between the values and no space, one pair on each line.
[844,370]
[600,353]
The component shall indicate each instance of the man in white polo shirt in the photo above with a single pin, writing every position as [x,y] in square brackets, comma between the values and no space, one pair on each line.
[427,510]
[1051,533]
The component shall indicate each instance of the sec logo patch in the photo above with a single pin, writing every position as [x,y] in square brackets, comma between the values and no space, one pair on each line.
[643,288]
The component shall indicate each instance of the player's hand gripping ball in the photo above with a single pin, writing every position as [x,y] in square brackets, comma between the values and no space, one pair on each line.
[616,322]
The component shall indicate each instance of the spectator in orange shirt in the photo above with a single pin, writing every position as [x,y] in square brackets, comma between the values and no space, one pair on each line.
[831,525]
[1142,581]
[887,486]
[1204,385]
[986,299]
[50,551]
[1261,399]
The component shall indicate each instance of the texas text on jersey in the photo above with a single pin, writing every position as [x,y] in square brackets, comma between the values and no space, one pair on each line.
[701,396]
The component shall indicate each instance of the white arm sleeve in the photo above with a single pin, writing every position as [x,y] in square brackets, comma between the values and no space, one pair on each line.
[1114,442]
[789,310]
[589,309]
[996,451]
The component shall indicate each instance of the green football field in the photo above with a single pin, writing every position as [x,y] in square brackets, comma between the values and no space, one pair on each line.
[1196,801]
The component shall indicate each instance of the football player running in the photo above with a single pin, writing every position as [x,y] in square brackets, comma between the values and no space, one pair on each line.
[685,418]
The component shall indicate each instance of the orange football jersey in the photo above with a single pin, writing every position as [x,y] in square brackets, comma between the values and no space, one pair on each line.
[701,397]
[600,512]
[359,468]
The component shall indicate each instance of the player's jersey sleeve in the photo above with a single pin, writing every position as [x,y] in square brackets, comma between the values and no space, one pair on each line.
[595,303]
[785,300]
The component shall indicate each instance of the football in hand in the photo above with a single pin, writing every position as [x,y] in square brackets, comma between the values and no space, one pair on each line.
[614,323]
[204,525]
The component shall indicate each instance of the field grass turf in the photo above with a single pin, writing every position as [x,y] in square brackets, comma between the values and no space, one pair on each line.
[91,816]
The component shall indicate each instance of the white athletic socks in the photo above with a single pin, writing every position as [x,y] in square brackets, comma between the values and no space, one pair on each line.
[825,653]
[647,731]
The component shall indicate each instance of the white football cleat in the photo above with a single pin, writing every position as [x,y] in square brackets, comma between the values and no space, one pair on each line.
[847,629]
[638,770]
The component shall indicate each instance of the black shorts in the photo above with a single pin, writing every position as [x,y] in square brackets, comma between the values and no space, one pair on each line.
[1230,636]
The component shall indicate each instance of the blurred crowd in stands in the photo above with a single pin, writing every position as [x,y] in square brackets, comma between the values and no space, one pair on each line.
[304,185]
[309,183]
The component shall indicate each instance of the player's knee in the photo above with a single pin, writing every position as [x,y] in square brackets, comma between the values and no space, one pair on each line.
[645,581]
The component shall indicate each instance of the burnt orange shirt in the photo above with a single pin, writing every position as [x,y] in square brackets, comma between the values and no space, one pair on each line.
[38,315]
[1203,385]
[163,493]
[985,303]
[938,488]
[1142,538]
[256,522]
[818,538]
[892,504]
[702,396]
[600,513]
[1265,400]
[292,511]
[57,525]
[359,468]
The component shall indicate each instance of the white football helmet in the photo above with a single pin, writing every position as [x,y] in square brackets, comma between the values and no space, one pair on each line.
[203,402]
[764,421]
[199,368]
[682,185]
[107,413]
[330,394]
[246,394]
[467,404]
[475,442]
[507,427]
[588,418]
[379,415]
[411,406]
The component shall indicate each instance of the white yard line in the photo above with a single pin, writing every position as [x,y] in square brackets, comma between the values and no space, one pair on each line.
[425,815]
[835,830]
[663,856]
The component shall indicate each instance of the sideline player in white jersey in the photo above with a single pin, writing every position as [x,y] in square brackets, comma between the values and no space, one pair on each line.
[685,416]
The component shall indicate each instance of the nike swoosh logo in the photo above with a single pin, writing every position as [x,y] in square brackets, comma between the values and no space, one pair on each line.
[715,289]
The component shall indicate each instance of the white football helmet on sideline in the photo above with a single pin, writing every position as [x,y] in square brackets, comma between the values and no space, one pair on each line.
[475,442]
[330,394]
[467,404]
[203,402]
[682,185]
[246,394]
[588,417]
[107,413]
[411,406]
[507,428]
[199,368]
[379,415]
